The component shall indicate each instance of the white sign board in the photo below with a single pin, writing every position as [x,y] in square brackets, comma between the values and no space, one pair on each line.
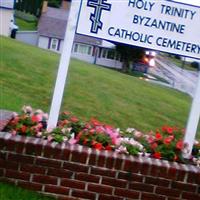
[161,25]
[9,4]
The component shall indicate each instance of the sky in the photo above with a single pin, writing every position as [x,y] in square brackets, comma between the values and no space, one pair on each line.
[194,2]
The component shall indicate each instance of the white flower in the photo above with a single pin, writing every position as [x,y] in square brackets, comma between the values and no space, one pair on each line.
[50,129]
[63,130]
[117,130]
[65,139]
[196,161]
[14,114]
[39,134]
[196,142]
[130,130]
[122,149]
[38,111]
[27,109]
[69,129]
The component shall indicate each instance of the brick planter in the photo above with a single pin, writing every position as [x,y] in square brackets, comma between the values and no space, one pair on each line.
[77,172]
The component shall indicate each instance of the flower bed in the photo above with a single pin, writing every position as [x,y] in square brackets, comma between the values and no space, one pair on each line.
[165,143]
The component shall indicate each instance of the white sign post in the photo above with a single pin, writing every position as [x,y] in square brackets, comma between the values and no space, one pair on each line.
[193,121]
[64,64]
[162,25]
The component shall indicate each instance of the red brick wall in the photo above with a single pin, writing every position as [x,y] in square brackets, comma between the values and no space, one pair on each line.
[73,172]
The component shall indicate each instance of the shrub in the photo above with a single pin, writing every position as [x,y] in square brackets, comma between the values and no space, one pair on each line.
[25,16]
[29,122]
[195,65]
[165,143]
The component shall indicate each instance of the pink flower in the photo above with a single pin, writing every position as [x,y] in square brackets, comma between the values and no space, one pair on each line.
[150,139]
[45,116]
[14,132]
[92,131]
[49,138]
[74,119]
[100,129]
[39,134]
[14,114]
[72,141]
[116,141]
[38,126]
[138,134]
[35,118]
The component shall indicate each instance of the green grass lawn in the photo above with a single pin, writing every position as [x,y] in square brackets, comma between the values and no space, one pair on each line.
[25,25]
[28,76]
[10,192]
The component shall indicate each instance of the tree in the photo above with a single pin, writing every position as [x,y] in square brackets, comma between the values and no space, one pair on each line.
[195,65]
[129,54]
[29,6]
[54,3]
[34,6]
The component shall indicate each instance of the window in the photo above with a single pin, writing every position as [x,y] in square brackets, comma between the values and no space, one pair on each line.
[54,44]
[111,54]
[118,57]
[108,54]
[83,49]
[104,53]
[76,48]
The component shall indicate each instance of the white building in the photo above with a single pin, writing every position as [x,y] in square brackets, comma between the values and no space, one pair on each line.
[51,32]
[6,16]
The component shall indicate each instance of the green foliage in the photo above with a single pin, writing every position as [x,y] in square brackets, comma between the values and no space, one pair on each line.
[54,3]
[29,122]
[132,150]
[25,16]
[29,6]
[58,134]
[167,143]
[129,54]
[195,65]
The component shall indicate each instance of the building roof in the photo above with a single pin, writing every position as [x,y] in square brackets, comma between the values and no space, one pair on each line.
[53,24]
[87,40]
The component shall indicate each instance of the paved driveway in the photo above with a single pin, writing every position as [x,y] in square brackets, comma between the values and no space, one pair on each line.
[180,79]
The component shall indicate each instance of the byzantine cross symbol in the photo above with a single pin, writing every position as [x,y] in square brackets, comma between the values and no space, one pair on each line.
[99,6]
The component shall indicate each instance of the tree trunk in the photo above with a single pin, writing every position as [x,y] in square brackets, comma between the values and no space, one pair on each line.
[125,66]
